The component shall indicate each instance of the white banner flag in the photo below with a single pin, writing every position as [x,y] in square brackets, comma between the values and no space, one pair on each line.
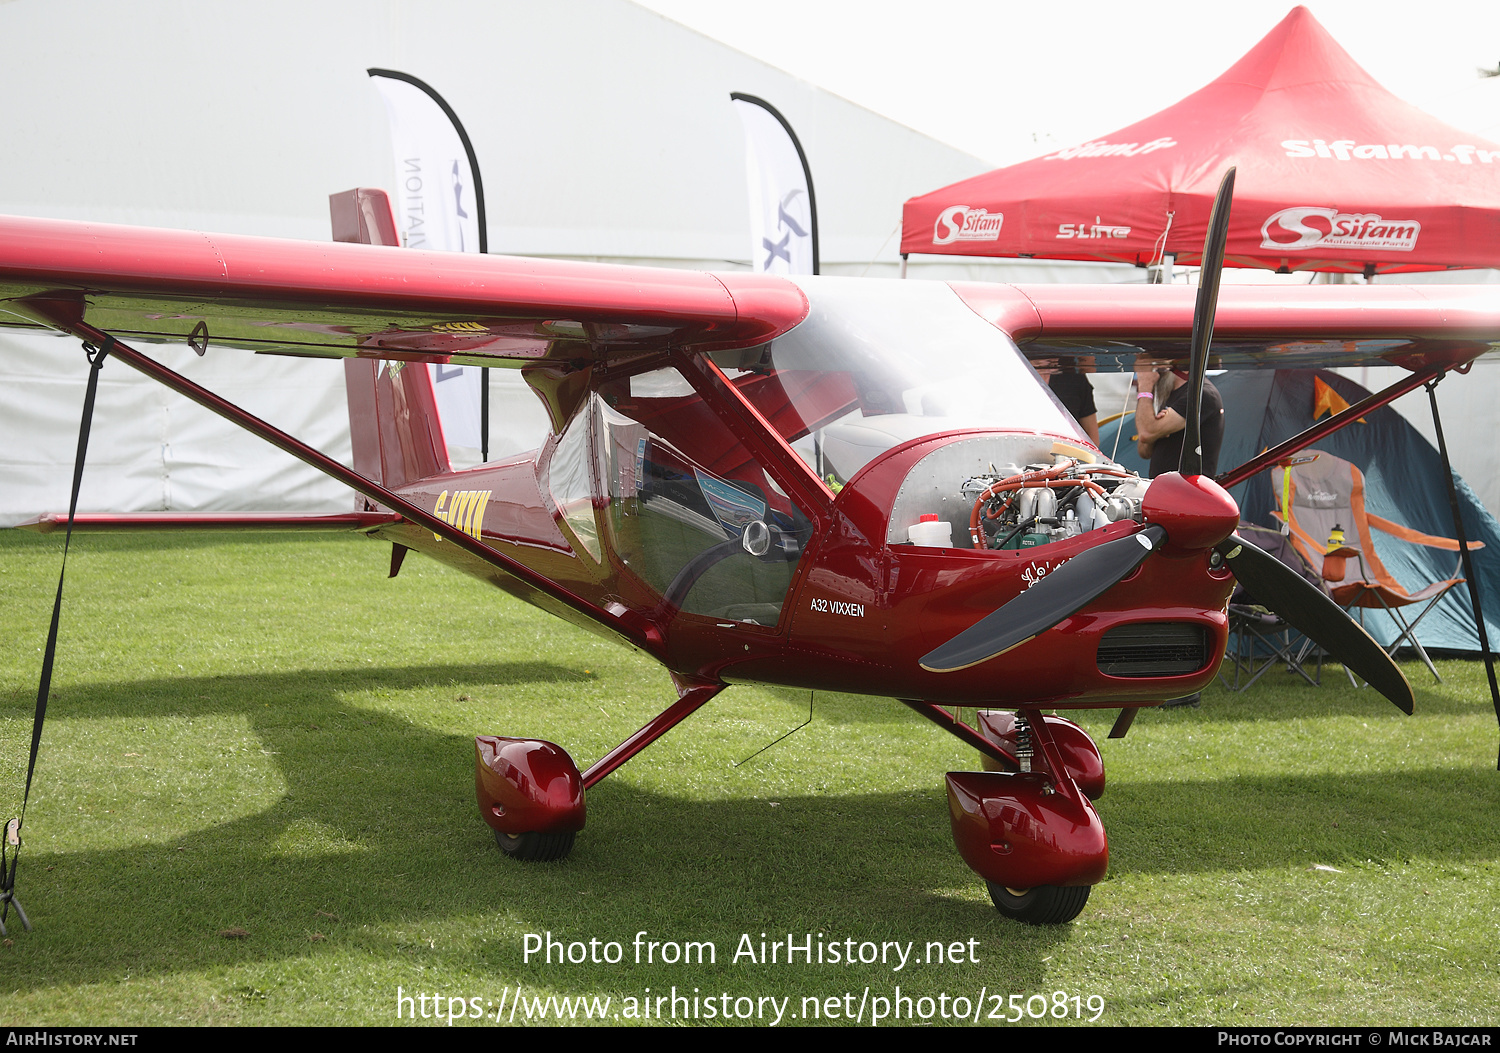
[439,206]
[783,212]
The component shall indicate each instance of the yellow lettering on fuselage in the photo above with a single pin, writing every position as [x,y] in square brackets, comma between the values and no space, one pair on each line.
[476,519]
[465,511]
[458,509]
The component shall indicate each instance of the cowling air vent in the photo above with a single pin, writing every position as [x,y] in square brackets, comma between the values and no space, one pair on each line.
[1153,649]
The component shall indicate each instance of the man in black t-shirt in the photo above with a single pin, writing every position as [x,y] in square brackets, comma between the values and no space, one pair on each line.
[1076,394]
[1159,434]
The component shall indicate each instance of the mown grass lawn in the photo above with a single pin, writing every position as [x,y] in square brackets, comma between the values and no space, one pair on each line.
[267,736]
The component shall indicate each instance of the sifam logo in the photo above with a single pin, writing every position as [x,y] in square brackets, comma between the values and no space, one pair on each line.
[1348,149]
[962,223]
[1091,231]
[1105,148]
[1307,226]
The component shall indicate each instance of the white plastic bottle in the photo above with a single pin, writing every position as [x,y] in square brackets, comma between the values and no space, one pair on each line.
[931,532]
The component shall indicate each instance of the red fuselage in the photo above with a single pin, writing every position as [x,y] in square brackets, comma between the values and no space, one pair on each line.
[860,612]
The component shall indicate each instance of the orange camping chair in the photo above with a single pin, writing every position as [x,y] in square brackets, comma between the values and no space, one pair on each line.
[1322,501]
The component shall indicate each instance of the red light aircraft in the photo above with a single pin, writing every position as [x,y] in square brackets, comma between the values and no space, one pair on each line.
[824,483]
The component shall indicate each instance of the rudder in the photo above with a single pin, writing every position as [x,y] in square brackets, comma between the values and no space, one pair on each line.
[393,416]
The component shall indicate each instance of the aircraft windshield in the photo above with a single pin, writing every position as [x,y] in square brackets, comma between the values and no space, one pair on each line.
[876,364]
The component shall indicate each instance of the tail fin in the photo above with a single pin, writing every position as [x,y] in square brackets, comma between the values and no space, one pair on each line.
[393,416]
[393,421]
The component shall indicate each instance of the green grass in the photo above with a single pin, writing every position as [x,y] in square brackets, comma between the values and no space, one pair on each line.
[268,735]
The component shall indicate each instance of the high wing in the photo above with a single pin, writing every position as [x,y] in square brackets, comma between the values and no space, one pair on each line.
[369,301]
[1256,327]
[334,299]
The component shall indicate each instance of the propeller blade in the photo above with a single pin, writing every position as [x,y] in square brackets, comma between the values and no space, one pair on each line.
[1203,324]
[1065,591]
[1317,617]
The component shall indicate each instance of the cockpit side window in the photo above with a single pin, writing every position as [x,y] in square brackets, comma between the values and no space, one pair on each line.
[570,477]
[689,510]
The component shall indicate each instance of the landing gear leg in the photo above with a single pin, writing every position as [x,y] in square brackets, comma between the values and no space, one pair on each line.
[1033,835]
[531,793]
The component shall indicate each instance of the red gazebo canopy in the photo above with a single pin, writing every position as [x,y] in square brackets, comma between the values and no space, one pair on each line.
[1335,174]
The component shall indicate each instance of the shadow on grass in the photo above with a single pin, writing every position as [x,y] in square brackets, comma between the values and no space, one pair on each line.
[399,864]
[398,854]
[238,693]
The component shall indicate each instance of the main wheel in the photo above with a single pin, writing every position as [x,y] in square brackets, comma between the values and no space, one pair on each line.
[537,847]
[1041,905]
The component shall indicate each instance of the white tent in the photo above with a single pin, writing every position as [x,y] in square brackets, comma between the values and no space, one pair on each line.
[603,131]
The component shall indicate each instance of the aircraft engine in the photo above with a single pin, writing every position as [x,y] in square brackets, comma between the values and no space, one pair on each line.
[1047,503]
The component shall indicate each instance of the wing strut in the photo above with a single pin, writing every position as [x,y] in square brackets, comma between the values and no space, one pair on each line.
[629,624]
[1308,436]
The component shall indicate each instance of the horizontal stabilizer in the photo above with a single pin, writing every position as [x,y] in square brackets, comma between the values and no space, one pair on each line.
[98,523]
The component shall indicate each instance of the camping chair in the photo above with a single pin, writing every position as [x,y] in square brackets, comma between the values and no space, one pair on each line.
[1260,638]
[1322,499]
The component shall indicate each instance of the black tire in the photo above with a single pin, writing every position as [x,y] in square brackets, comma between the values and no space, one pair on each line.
[1042,905]
[535,847]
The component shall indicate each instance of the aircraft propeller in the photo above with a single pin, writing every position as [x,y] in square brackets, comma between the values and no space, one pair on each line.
[1063,592]
[1087,576]
[1203,325]
[1317,617]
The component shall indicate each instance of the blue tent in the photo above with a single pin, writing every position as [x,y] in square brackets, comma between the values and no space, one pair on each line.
[1403,482]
